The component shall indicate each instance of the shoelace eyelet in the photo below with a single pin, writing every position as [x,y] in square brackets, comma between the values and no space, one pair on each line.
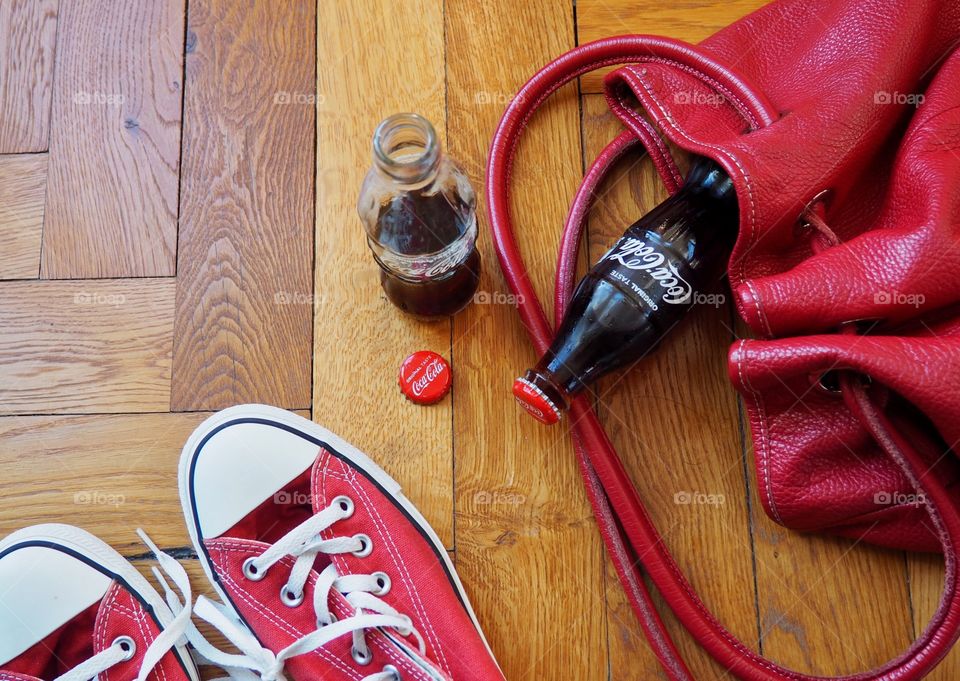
[345,504]
[367,546]
[361,657]
[251,571]
[321,624]
[127,645]
[290,599]
[393,670]
[383,583]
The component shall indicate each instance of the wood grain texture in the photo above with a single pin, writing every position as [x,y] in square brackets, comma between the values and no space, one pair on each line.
[115,140]
[673,417]
[828,606]
[85,346]
[688,20]
[360,337]
[28,36]
[23,185]
[526,539]
[109,474]
[244,313]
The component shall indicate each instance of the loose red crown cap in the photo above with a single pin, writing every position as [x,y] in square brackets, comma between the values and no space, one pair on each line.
[425,377]
[535,402]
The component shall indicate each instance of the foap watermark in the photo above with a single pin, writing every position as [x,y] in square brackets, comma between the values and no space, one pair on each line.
[85,98]
[292,498]
[296,298]
[694,498]
[98,498]
[714,300]
[684,97]
[498,497]
[283,97]
[497,298]
[899,499]
[898,98]
[899,298]
[486,97]
[95,298]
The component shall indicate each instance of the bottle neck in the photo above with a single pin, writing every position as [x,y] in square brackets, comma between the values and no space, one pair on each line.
[706,179]
[406,149]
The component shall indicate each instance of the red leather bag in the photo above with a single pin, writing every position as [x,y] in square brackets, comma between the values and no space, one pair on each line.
[839,122]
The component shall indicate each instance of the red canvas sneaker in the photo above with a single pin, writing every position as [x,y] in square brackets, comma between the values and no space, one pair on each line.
[325,569]
[73,609]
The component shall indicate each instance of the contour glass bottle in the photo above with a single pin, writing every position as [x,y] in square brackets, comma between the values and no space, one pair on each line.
[638,291]
[419,212]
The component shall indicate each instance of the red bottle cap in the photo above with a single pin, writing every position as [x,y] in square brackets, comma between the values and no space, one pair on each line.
[425,377]
[537,404]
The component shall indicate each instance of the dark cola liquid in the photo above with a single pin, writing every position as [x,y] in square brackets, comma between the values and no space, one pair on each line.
[413,224]
[643,286]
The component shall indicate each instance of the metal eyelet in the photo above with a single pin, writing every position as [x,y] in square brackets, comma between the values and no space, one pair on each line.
[251,571]
[127,645]
[361,657]
[345,504]
[390,669]
[321,624]
[290,599]
[366,547]
[829,381]
[383,583]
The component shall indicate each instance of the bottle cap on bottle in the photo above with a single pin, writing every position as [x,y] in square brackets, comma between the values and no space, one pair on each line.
[537,404]
[425,377]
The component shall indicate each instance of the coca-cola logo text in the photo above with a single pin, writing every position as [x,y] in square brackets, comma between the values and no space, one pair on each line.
[637,255]
[430,373]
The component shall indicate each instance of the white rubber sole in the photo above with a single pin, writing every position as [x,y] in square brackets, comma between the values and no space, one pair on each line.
[357,459]
[101,554]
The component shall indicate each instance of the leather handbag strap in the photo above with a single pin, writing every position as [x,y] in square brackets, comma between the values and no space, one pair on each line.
[627,529]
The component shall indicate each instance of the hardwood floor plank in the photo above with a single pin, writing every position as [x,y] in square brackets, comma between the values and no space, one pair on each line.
[674,420]
[109,474]
[85,346]
[23,184]
[28,36]
[244,313]
[115,140]
[827,606]
[360,338]
[524,530]
[689,20]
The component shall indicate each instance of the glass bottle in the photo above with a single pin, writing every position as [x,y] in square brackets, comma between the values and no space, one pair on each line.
[419,212]
[638,291]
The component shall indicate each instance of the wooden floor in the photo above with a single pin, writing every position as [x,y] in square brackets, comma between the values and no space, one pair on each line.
[178,234]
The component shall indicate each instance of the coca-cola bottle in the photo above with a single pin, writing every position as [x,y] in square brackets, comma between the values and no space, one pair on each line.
[419,212]
[638,291]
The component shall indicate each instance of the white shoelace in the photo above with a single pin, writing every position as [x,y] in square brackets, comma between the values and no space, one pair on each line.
[360,591]
[124,648]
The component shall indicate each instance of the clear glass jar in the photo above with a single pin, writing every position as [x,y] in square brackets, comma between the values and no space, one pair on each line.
[420,215]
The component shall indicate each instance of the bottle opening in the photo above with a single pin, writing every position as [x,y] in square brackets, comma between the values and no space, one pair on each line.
[405,147]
